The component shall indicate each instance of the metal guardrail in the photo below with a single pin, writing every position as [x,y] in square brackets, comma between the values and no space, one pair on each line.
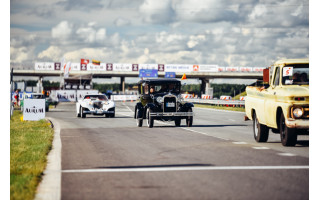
[218,102]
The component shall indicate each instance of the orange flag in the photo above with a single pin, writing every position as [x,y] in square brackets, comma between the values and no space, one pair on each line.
[184,77]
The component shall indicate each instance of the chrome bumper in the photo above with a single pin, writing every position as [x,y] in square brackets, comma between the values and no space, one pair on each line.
[172,114]
[297,123]
[97,112]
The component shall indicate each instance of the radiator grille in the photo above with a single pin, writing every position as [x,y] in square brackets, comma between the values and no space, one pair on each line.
[169,104]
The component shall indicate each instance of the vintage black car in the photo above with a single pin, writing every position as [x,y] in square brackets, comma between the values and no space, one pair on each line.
[160,99]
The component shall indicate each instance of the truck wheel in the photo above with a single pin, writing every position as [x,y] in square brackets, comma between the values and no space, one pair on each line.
[139,121]
[260,131]
[149,118]
[83,115]
[288,135]
[189,119]
[177,122]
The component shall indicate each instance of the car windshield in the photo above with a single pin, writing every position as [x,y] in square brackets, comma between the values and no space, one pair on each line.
[96,97]
[165,87]
[295,75]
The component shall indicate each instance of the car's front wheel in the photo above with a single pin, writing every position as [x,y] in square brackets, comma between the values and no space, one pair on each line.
[288,135]
[189,119]
[150,119]
[83,115]
[138,121]
[260,131]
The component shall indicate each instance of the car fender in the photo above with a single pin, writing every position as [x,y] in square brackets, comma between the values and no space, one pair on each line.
[187,105]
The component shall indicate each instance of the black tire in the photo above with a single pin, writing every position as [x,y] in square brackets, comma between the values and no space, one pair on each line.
[139,121]
[83,115]
[106,115]
[260,131]
[288,136]
[177,122]
[113,114]
[189,119]
[78,114]
[150,119]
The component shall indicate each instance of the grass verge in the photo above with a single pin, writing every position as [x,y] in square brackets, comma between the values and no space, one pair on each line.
[240,109]
[30,142]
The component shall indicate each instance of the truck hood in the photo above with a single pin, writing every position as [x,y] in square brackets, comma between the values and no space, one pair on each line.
[294,90]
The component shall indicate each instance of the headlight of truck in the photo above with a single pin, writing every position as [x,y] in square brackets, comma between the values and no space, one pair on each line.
[159,99]
[297,112]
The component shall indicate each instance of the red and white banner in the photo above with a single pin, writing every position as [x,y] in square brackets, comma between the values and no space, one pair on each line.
[84,61]
[204,96]
[246,69]
[232,69]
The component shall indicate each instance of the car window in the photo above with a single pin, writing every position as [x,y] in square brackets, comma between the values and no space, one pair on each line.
[277,77]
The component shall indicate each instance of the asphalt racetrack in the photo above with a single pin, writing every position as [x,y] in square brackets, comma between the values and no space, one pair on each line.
[216,158]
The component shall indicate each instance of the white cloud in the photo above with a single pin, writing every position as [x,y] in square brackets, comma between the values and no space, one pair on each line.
[53,53]
[157,11]
[62,31]
[121,22]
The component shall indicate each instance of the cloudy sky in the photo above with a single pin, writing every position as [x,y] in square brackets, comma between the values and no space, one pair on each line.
[224,32]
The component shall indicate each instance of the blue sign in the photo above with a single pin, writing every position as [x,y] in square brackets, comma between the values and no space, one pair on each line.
[152,73]
[170,75]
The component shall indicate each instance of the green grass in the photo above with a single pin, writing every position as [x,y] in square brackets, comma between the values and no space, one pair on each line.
[241,109]
[30,142]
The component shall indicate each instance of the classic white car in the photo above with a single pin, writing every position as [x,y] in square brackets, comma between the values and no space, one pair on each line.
[96,104]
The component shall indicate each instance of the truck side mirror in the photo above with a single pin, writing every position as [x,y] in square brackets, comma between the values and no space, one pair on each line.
[266,75]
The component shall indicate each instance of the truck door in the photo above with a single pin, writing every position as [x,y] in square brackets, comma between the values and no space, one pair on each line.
[271,98]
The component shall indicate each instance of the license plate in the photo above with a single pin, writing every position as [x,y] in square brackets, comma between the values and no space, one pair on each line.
[170,104]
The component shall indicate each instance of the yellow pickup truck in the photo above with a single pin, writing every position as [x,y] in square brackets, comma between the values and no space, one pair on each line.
[282,107]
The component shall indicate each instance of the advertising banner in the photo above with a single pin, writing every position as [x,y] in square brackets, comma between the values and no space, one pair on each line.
[75,66]
[178,68]
[232,69]
[149,66]
[57,66]
[44,66]
[124,67]
[109,66]
[258,69]
[34,109]
[83,67]
[221,69]
[170,75]
[94,67]
[135,67]
[151,73]
[161,67]
[246,69]
[208,68]
[66,95]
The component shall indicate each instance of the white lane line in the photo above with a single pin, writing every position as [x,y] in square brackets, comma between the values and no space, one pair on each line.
[166,169]
[127,107]
[260,148]
[204,133]
[286,154]
[239,143]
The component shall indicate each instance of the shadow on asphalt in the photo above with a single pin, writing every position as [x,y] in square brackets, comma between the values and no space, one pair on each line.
[300,143]
[155,166]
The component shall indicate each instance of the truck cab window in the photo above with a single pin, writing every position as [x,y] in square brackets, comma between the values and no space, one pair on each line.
[277,77]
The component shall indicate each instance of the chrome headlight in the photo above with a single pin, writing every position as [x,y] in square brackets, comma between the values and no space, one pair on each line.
[297,112]
[159,99]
